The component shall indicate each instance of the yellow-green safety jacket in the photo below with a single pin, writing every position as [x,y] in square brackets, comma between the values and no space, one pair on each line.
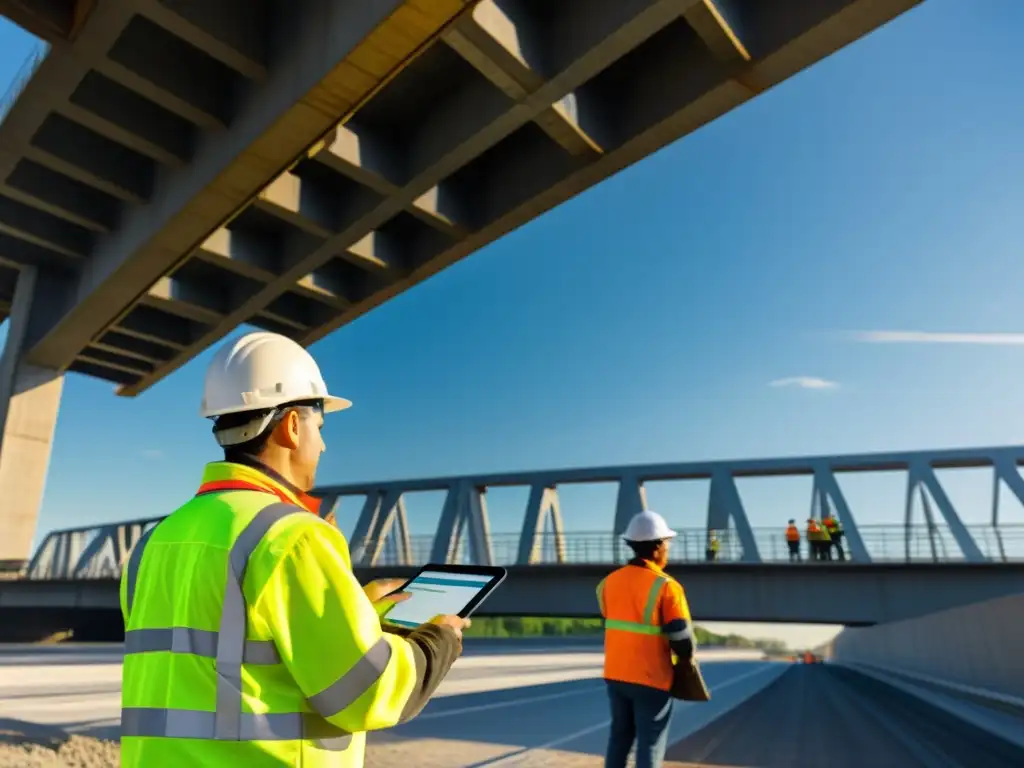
[249,641]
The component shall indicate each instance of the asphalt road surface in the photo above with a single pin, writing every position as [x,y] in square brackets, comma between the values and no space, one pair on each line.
[538,704]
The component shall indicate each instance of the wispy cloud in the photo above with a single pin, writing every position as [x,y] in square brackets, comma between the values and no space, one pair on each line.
[152,453]
[929,337]
[804,382]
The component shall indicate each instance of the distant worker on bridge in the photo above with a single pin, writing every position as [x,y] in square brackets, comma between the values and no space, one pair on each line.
[815,539]
[793,541]
[248,639]
[647,620]
[714,545]
[835,532]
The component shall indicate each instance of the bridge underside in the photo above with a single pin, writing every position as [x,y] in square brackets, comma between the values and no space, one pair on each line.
[511,110]
[182,168]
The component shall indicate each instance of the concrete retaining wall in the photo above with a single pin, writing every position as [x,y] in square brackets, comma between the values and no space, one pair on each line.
[979,645]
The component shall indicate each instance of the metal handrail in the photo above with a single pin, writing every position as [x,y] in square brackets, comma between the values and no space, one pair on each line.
[884,544]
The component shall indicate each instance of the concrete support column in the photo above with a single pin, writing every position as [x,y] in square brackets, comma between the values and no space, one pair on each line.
[29,402]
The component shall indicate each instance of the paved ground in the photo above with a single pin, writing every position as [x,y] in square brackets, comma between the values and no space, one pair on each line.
[535,705]
[827,717]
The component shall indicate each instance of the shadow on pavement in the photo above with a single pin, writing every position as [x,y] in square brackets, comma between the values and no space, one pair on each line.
[19,733]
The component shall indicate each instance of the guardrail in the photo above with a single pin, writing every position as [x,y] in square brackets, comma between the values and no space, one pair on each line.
[25,72]
[98,553]
[885,544]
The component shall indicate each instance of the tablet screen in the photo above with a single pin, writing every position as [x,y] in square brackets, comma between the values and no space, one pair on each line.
[436,593]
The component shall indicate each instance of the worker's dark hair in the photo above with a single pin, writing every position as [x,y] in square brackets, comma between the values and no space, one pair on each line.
[253,448]
[644,549]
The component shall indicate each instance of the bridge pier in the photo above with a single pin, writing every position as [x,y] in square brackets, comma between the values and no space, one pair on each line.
[29,402]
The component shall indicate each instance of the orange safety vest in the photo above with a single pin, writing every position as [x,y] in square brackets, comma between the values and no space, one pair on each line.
[792,533]
[634,604]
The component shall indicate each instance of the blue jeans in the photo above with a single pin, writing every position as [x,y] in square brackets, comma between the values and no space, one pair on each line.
[639,714]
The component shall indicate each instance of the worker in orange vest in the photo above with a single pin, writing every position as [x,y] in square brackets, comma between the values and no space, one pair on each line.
[647,621]
[793,541]
[815,539]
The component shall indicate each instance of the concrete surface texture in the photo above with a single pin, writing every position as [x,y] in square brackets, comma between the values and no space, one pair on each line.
[535,704]
[977,645]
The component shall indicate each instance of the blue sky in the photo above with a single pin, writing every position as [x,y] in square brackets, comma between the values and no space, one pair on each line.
[647,319]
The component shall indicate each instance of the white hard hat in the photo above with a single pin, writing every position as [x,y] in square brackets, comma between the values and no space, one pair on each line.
[259,372]
[648,526]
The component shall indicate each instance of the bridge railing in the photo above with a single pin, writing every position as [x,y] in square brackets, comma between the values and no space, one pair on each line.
[885,543]
[99,552]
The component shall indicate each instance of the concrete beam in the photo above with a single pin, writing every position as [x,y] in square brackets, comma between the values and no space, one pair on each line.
[669,88]
[232,31]
[466,124]
[490,39]
[56,194]
[29,402]
[334,57]
[51,20]
[844,593]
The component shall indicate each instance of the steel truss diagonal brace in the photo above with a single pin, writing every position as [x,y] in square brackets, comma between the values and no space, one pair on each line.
[383,514]
[1005,469]
[59,555]
[541,507]
[107,552]
[724,503]
[922,475]
[632,500]
[828,496]
[464,511]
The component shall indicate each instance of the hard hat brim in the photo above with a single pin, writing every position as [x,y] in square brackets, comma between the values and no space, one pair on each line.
[334,404]
[669,534]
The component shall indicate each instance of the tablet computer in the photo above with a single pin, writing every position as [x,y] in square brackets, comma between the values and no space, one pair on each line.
[444,590]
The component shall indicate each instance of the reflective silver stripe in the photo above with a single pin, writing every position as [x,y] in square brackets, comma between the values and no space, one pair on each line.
[134,560]
[652,599]
[194,724]
[233,620]
[199,642]
[344,691]
[683,634]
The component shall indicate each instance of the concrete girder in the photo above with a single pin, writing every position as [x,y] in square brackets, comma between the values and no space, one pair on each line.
[482,116]
[668,112]
[490,39]
[60,196]
[597,77]
[53,21]
[231,31]
[840,593]
[332,56]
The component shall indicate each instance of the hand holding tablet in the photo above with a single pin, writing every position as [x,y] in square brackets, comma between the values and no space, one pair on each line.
[443,590]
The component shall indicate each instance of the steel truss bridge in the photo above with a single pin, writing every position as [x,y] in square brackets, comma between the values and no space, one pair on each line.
[381,535]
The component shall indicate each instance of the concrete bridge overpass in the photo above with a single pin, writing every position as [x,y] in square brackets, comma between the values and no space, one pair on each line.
[171,169]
